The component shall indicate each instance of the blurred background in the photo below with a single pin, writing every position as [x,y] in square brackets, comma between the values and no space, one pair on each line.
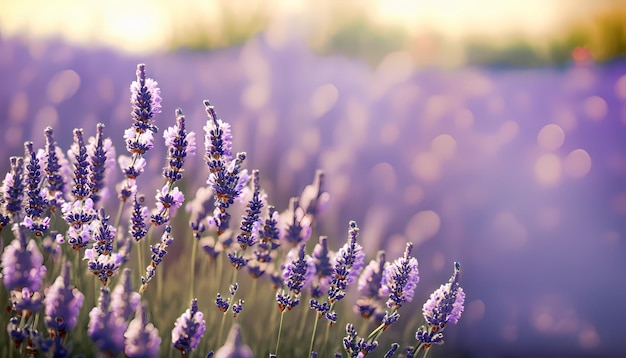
[486,132]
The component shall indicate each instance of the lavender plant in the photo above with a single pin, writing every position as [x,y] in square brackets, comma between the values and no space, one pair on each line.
[93,295]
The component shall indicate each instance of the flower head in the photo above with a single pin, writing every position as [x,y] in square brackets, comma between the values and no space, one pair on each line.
[22,263]
[101,159]
[445,305]
[78,153]
[62,304]
[13,188]
[400,279]
[106,329]
[124,300]
[234,346]
[188,329]
[179,144]
[142,338]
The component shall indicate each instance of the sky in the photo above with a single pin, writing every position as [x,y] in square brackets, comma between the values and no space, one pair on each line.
[144,25]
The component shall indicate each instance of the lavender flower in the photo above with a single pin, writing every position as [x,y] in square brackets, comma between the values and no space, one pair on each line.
[296,224]
[400,279]
[22,263]
[55,163]
[179,144]
[142,338]
[62,304]
[106,329]
[324,268]
[188,329]
[124,300]
[101,159]
[251,221]
[234,346]
[299,270]
[158,253]
[444,306]
[137,226]
[225,174]
[369,304]
[102,262]
[349,262]
[25,301]
[13,190]
[78,153]
[36,203]
[146,101]
[167,201]
[314,200]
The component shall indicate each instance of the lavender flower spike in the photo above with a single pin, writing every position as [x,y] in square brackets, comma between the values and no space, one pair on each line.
[55,166]
[158,253]
[101,160]
[400,279]
[234,346]
[142,338]
[13,190]
[180,144]
[124,300]
[106,329]
[62,303]
[445,305]
[188,329]
[22,263]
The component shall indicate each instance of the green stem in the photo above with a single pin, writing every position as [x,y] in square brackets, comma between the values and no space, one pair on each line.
[317,318]
[118,216]
[280,329]
[194,249]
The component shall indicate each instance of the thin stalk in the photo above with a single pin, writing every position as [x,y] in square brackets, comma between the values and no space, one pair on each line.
[194,249]
[317,318]
[118,216]
[280,329]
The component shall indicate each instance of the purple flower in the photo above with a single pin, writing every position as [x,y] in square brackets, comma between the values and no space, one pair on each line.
[218,140]
[370,302]
[54,168]
[101,159]
[103,234]
[400,279]
[179,144]
[324,268]
[142,338]
[62,303]
[137,227]
[79,157]
[251,221]
[36,203]
[314,200]
[349,262]
[445,305]
[234,346]
[299,270]
[25,301]
[13,189]
[188,329]
[106,329]
[158,252]
[22,263]
[296,224]
[124,300]
[103,266]
[167,201]
[145,99]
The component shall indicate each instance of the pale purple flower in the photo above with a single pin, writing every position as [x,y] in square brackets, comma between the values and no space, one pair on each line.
[103,266]
[13,189]
[124,300]
[22,263]
[188,329]
[299,270]
[101,159]
[106,329]
[400,279]
[62,303]
[324,267]
[25,301]
[142,338]
[234,346]
[167,201]
[445,305]
[295,224]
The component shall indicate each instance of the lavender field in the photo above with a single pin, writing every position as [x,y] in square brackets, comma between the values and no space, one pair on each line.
[517,174]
